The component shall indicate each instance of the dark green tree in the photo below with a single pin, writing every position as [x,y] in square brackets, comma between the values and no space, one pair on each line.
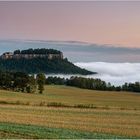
[41,82]
[31,88]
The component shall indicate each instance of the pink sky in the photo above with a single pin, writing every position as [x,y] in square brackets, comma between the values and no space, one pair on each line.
[94,22]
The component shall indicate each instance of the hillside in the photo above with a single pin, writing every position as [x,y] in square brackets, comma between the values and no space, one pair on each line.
[39,60]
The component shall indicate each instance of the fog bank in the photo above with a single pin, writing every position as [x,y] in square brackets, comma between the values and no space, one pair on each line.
[116,73]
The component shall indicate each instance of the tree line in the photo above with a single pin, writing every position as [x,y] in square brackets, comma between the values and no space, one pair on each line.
[22,82]
[94,84]
[37,51]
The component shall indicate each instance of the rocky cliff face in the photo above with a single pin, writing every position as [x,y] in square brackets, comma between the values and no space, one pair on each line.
[10,55]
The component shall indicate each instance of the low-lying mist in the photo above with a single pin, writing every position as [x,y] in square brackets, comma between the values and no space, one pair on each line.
[115,73]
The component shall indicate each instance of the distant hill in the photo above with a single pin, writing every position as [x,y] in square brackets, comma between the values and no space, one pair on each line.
[34,61]
[79,51]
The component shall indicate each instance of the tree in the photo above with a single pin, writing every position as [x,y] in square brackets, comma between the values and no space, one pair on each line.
[41,82]
[31,88]
[21,81]
[17,52]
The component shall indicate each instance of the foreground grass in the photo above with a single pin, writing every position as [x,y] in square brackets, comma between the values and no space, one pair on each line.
[113,113]
[113,122]
[10,130]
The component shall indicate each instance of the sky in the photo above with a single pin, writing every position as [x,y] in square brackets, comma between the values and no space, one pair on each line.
[116,23]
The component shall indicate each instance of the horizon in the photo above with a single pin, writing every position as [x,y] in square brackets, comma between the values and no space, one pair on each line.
[72,42]
[78,51]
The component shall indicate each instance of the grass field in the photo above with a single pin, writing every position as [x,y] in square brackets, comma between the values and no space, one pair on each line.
[67,112]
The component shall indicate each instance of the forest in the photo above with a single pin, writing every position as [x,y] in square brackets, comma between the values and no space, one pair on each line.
[93,84]
[22,82]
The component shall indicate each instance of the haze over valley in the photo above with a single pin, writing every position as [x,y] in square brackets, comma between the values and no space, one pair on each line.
[113,64]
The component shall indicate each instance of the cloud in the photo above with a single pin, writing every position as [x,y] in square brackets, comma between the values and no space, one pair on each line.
[116,73]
